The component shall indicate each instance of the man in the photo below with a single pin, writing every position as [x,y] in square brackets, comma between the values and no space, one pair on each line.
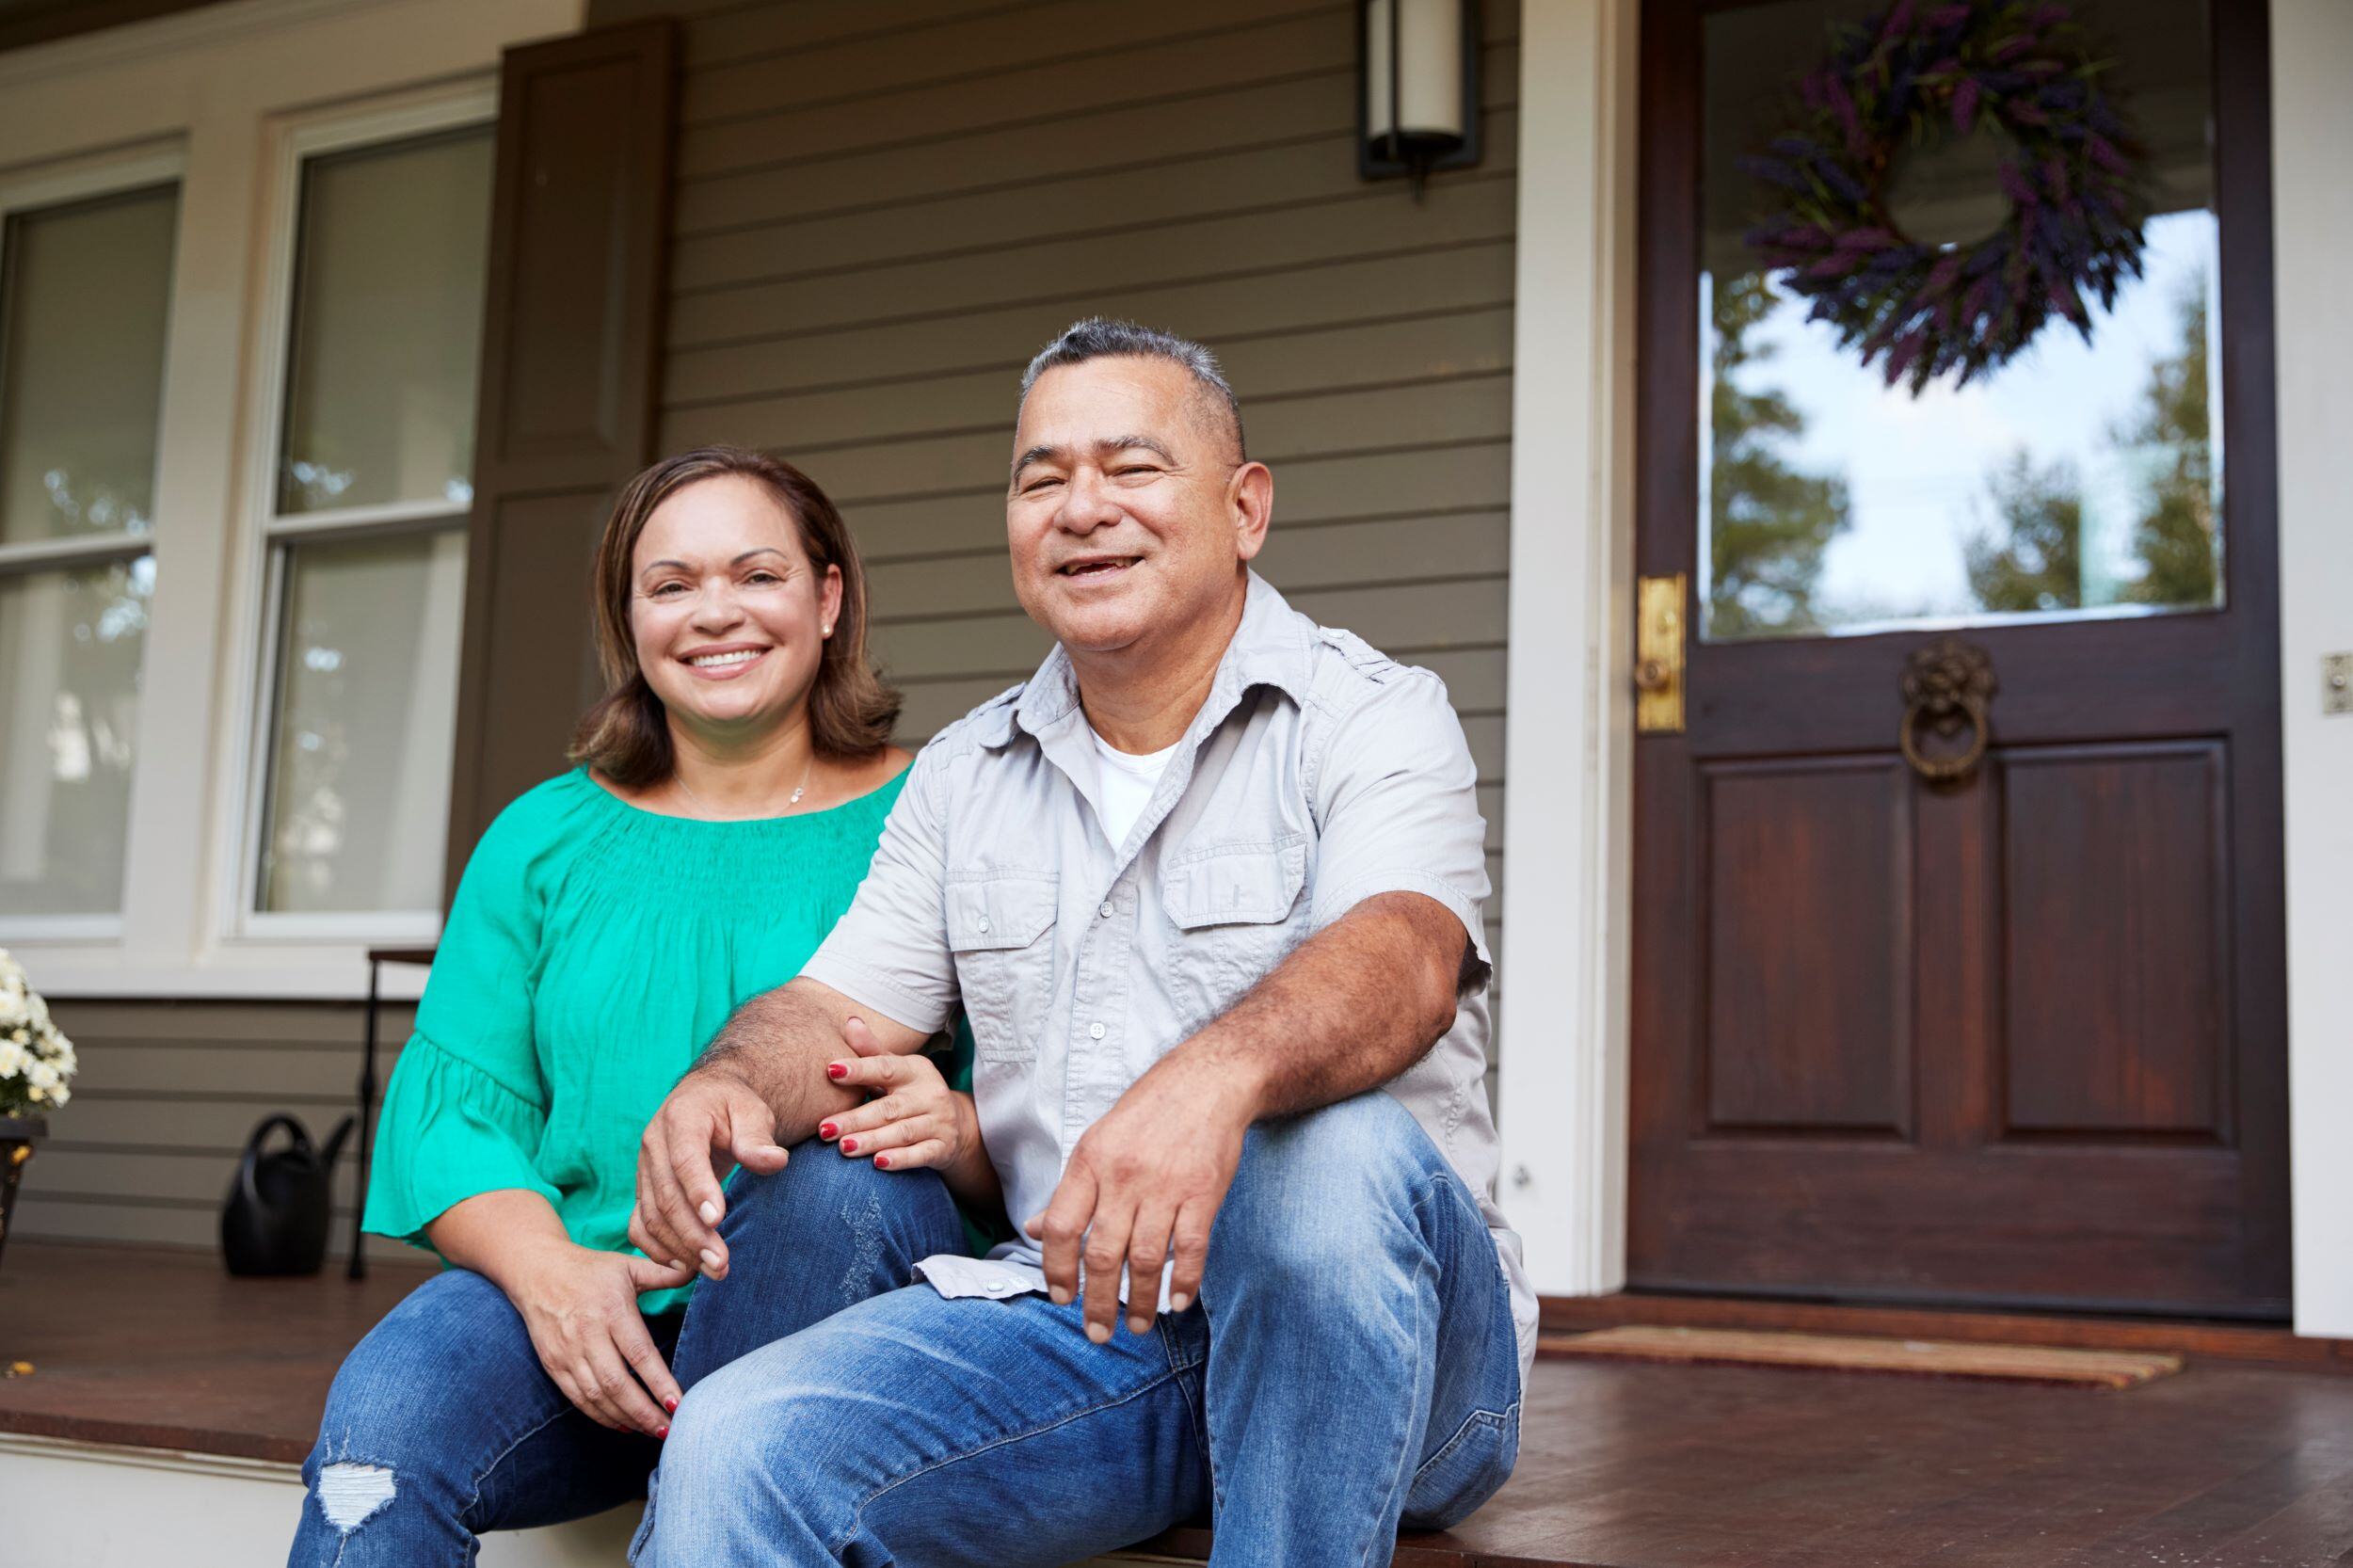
[1209,887]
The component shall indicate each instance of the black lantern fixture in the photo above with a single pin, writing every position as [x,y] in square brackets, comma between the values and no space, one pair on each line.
[1416,88]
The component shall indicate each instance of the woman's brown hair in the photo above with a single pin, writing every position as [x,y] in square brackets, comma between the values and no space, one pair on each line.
[626,736]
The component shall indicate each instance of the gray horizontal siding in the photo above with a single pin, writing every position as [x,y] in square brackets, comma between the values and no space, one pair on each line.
[882,208]
[877,223]
[168,1092]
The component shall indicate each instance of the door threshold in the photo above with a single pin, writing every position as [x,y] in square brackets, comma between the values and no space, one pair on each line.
[2199,1339]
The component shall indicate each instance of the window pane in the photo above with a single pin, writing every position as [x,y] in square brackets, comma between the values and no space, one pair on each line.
[2081,476]
[395,244]
[82,370]
[367,694]
[70,644]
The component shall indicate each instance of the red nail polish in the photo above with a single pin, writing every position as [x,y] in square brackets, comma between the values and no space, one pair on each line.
[837,1069]
[849,1145]
[882,1161]
[663,1432]
[670,1404]
[826,1129]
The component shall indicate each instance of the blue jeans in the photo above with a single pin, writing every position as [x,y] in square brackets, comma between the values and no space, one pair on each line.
[443,1424]
[1352,1363]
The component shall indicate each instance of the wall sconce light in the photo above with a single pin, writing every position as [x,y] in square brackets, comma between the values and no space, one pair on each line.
[1416,88]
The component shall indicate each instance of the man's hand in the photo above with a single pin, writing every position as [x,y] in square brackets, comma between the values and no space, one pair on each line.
[1149,1176]
[679,1200]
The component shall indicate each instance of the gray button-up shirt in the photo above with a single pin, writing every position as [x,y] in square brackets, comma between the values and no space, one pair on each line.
[1317,775]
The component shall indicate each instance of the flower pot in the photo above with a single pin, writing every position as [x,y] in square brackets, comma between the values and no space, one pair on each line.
[17,1134]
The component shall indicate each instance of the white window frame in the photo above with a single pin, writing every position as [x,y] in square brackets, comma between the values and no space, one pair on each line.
[59,184]
[260,594]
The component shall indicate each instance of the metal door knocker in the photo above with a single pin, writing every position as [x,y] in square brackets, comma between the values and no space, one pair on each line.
[1947,686]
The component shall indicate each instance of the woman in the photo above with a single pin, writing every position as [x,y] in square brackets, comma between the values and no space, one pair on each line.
[733,783]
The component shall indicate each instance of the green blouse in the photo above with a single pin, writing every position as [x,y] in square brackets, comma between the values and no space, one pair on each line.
[593,950]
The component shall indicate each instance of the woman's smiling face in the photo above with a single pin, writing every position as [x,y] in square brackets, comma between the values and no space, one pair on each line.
[728,615]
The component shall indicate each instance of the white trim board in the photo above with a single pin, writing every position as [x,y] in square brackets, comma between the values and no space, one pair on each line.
[1567,739]
[2312,204]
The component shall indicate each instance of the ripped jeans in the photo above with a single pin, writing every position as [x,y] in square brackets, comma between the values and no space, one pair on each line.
[441,1423]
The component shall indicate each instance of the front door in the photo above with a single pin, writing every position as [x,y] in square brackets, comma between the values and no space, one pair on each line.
[1957,951]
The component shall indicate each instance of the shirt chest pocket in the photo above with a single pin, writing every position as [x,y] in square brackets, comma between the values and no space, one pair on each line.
[1238,913]
[1001,927]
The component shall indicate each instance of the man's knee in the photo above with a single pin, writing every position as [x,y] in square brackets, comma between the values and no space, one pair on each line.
[744,1435]
[1324,1190]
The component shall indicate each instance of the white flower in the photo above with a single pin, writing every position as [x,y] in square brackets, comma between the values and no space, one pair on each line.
[12,1057]
[43,1076]
[38,1009]
[60,1094]
[13,1011]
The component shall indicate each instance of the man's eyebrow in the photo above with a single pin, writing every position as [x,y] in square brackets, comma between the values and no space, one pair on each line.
[1110,443]
[1035,454]
[1137,443]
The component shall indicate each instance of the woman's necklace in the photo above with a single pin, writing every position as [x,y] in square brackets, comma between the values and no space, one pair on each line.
[798,790]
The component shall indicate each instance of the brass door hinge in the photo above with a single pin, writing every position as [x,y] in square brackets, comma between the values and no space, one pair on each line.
[1659,655]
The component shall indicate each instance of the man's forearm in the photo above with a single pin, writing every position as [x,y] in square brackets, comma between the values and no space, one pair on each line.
[778,1043]
[1349,1009]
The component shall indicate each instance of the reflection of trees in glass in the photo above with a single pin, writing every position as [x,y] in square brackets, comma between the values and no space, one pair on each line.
[2175,537]
[1769,522]
[2033,560]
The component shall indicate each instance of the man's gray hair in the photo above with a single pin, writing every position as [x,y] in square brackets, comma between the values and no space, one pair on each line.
[1102,337]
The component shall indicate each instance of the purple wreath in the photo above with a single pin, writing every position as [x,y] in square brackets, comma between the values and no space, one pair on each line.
[2071,175]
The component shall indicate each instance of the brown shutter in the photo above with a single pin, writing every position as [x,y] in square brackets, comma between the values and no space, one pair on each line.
[571,347]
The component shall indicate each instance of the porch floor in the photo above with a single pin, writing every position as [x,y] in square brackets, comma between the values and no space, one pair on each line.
[1623,1466]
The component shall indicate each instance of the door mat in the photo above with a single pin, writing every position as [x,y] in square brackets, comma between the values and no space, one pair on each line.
[1934,1358]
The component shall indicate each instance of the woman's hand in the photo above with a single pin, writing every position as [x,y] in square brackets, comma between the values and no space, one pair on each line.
[580,1309]
[914,1121]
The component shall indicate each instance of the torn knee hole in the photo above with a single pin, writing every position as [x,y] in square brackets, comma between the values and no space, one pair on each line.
[350,1495]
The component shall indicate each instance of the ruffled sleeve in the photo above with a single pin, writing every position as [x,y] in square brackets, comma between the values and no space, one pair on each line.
[467,1105]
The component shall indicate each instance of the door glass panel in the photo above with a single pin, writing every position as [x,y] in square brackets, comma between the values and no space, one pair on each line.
[2081,476]
[82,364]
[367,696]
[70,646]
[395,245]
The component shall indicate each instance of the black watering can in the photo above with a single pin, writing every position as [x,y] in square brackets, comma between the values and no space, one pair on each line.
[281,1203]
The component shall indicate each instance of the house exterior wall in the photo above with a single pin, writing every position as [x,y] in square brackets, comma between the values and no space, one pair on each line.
[168,1092]
[882,210]
[169,1089]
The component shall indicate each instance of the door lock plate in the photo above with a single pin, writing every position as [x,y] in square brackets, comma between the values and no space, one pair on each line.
[1659,655]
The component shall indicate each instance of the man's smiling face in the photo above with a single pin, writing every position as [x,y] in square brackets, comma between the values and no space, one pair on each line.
[1121,514]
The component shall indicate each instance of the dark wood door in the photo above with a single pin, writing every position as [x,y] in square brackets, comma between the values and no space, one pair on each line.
[2017,1038]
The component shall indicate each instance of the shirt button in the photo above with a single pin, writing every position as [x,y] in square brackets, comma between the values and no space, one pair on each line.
[1095,1032]
[1106,911]
[995,1287]
[983,923]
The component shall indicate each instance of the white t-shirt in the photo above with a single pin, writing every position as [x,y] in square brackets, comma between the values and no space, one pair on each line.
[1128,782]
